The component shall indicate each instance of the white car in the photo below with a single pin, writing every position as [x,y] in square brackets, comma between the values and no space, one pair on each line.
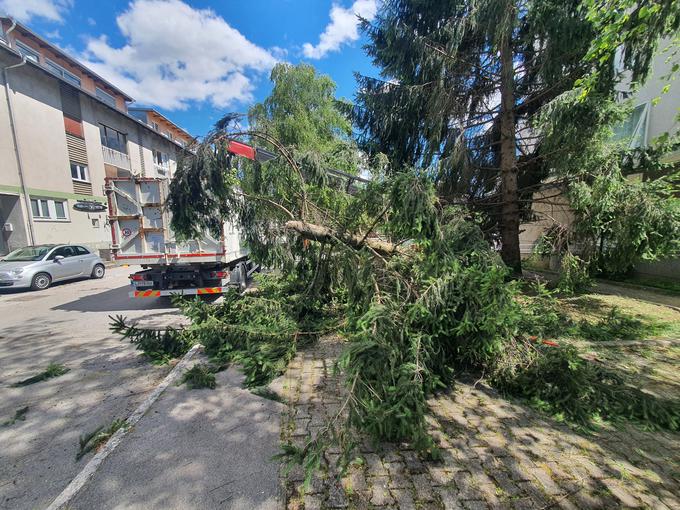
[37,267]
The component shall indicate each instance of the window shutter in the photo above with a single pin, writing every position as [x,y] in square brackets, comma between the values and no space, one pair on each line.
[77,151]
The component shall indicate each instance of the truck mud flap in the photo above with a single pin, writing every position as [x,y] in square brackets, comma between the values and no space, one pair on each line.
[177,292]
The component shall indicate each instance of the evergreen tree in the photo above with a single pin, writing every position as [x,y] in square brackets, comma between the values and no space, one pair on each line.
[464,80]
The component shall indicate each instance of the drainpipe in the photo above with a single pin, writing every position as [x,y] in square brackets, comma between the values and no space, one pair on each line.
[17,151]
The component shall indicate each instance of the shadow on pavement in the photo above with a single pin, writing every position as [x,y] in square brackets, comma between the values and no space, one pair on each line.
[113,300]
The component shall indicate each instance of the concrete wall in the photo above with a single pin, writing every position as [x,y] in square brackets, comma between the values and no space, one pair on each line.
[548,210]
[9,175]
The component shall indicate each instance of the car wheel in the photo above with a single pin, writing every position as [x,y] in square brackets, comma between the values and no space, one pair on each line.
[41,281]
[98,271]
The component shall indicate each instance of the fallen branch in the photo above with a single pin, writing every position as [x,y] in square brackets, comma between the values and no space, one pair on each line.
[326,235]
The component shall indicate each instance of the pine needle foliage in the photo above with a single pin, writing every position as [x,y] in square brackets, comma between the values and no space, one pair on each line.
[95,439]
[19,415]
[199,376]
[52,370]
[160,346]
[432,302]
[582,393]
[259,331]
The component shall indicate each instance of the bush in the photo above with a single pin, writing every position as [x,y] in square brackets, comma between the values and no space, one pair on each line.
[574,277]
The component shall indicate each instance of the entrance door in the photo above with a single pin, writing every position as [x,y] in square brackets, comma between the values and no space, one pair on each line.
[11,224]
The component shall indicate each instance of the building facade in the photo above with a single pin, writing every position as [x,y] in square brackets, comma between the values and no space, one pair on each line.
[63,130]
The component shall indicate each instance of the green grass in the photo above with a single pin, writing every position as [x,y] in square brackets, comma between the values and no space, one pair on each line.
[52,370]
[93,440]
[601,317]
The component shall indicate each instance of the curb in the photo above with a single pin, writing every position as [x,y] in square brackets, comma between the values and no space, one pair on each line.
[62,500]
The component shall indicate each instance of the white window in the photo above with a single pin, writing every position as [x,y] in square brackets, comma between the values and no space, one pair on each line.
[48,209]
[80,172]
[161,160]
[28,52]
[106,97]
[154,125]
[60,71]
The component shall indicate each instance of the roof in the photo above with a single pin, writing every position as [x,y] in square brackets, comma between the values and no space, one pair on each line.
[146,109]
[66,56]
[89,94]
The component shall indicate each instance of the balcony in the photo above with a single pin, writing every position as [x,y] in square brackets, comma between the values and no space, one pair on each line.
[115,158]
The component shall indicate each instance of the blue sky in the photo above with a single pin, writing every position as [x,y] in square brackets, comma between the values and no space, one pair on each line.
[195,59]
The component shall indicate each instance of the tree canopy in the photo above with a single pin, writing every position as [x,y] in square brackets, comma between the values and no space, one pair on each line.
[478,107]
[465,83]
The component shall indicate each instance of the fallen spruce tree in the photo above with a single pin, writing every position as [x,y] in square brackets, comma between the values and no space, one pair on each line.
[409,282]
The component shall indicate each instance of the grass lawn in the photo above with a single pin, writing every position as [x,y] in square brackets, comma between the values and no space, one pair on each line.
[640,338]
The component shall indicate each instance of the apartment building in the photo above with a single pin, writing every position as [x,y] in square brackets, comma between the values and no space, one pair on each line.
[63,129]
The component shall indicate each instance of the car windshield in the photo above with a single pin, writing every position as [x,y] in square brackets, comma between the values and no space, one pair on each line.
[27,254]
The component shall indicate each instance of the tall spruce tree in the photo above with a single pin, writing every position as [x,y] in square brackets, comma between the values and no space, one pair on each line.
[462,82]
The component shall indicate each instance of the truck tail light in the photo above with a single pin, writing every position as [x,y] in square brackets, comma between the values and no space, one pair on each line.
[137,277]
[219,274]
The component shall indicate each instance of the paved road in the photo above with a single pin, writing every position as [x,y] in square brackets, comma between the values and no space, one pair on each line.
[200,449]
[65,324]
[194,449]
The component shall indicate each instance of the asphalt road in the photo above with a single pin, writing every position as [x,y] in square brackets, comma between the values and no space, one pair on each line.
[193,449]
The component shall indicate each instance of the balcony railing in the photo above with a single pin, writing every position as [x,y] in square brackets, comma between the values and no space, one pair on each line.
[115,158]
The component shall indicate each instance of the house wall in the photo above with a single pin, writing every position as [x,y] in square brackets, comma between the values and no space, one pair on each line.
[36,100]
[547,209]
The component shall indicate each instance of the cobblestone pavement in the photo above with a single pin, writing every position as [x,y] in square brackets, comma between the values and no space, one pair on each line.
[496,454]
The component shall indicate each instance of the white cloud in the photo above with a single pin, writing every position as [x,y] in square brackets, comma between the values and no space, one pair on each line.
[26,10]
[175,54]
[344,27]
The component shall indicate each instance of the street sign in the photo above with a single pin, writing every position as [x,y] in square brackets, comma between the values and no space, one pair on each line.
[89,206]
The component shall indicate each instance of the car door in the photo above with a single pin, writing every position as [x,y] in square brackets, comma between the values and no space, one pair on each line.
[68,267]
[86,259]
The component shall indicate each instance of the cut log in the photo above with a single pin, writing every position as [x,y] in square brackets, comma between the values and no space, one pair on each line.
[327,235]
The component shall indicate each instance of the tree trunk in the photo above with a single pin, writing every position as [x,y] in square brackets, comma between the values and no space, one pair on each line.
[509,223]
[326,235]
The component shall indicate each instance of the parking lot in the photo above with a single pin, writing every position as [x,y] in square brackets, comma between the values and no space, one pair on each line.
[66,324]
[192,449]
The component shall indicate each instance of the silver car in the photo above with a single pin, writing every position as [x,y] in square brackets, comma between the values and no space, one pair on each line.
[36,267]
